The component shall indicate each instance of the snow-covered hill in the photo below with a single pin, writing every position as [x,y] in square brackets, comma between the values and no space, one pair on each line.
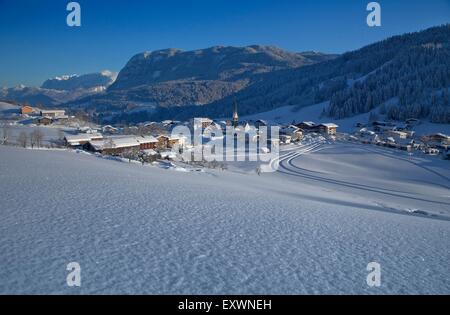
[295,113]
[311,228]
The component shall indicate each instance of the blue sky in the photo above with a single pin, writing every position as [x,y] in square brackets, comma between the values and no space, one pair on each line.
[36,42]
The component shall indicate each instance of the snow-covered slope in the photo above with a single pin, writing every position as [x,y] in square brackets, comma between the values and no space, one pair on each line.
[288,114]
[140,229]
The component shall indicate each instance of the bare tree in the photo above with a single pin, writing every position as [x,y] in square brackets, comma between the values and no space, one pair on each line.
[23,139]
[6,134]
[32,140]
[36,138]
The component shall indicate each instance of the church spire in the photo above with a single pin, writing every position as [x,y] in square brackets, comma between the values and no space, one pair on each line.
[235,115]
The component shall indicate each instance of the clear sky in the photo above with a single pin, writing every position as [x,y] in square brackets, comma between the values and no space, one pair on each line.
[36,43]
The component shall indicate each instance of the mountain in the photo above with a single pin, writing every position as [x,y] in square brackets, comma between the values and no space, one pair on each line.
[406,76]
[58,90]
[225,64]
[75,82]
[173,78]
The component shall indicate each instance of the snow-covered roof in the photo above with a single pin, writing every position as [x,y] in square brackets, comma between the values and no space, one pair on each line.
[308,123]
[330,125]
[146,139]
[55,111]
[122,142]
[83,137]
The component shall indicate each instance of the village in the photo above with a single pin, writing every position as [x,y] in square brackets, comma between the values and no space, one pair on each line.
[152,141]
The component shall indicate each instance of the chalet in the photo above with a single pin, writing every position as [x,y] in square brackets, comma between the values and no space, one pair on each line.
[285,139]
[81,139]
[383,126]
[292,131]
[44,121]
[307,126]
[397,134]
[437,140]
[26,110]
[169,141]
[328,128]
[147,142]
[56,113]
[109,129]
[202,123]
[118,145]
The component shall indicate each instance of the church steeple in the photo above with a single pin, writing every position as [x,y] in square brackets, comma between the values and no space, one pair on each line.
[235,115]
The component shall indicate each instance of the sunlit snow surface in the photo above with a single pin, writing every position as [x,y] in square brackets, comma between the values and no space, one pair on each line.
[312,227]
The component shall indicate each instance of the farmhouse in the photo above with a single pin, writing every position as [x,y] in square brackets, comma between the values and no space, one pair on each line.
[328,128]
[147,142]
[307,126]
[383,126]
[118,145]
[202,123]
[293,132]
[168,142]
[285,139]
[26,110]
[44,121]
[397,134]
[81,139]
[438,140]
[109,129]
[57,114]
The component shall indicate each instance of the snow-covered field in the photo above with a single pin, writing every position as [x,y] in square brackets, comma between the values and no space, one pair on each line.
[311,228]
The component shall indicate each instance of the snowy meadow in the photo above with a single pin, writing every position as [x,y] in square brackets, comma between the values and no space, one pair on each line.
[310,228]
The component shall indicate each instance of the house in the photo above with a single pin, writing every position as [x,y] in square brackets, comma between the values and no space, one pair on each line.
[56,113]
[81,139]
[109,129]
[307,126]
[44,121]
[169,141]
[26,110]
[292,131]
[147,142]
[285,139]
[202,123]
[328,128]
[383,126]
[397,134]
[114,145]
[437,140]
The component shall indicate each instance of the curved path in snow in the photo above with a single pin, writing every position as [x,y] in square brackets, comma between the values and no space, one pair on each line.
[291,164]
